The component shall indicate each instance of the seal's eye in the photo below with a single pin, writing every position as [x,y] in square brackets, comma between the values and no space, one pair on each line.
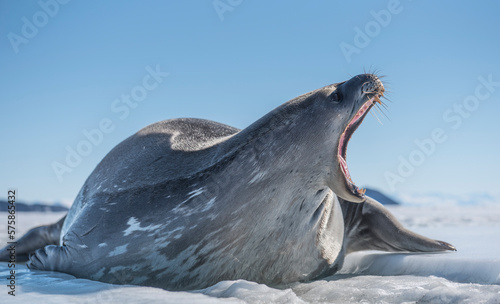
[336,96]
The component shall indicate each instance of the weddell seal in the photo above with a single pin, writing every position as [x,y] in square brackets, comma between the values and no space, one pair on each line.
[186,203]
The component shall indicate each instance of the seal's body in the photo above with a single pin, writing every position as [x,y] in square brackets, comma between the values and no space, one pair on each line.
[186,203]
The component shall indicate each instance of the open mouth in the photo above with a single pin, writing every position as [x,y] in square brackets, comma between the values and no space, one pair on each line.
[344,140]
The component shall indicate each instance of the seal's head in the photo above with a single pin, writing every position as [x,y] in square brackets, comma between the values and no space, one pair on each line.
[305,139]
[354,97]
[328,118]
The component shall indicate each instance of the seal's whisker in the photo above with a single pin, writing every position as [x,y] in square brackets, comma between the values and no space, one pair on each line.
[387,98]
[376,117]
[374,71]
[350,75]
[381,111]
[369,69]
[387,85]
[384,105]
[377,109]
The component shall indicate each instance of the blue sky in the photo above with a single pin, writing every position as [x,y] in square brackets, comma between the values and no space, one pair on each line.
[66,66]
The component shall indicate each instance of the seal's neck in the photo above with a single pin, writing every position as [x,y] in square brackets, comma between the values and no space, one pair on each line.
[295,135]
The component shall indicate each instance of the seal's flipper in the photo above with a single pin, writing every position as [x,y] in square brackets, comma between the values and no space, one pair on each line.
[50,258]
[34,239]
[370,226]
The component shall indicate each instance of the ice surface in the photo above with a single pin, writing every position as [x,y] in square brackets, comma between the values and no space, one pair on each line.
[470,275]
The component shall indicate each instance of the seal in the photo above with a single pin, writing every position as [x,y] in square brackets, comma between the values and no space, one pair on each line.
[186,203]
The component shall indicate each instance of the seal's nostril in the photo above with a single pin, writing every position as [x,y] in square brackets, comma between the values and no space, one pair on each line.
[373,85]
[369,87]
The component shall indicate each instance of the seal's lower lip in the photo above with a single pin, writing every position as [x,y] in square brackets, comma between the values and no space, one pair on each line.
[344,139]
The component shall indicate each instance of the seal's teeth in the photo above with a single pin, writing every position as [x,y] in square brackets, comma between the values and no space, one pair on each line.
[362,191]
[377,99]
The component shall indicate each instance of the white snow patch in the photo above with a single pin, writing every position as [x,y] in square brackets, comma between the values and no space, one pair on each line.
[251,292]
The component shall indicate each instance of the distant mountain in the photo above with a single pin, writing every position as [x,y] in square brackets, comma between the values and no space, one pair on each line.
[380,197]
[38,207]
[449,198]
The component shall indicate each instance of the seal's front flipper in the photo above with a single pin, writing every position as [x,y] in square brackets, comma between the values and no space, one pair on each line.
[370,226]
[34,239]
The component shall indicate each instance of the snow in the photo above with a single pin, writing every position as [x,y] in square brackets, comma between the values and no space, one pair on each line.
[470,275]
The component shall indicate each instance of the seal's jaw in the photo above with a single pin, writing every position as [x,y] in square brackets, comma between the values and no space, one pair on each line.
[344,140]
